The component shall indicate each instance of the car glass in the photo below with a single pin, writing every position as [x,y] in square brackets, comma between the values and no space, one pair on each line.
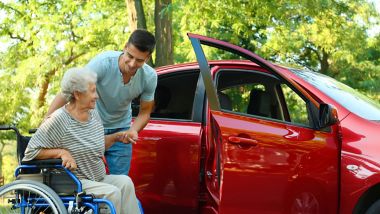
[260,94]
[296,106]
[346,96]
[174,95]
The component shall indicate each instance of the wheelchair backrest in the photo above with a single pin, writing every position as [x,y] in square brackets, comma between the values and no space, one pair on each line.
[45,171]
[57,179]
[22,143]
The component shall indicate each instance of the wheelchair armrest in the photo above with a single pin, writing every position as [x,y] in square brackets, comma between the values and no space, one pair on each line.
[43,163]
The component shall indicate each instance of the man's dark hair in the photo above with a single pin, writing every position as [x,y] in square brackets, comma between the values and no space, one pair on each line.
[142,40]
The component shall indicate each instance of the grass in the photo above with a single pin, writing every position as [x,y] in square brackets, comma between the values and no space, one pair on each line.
[4,209]
[9,162]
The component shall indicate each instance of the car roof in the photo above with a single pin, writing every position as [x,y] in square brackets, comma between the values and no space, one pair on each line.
[212,63]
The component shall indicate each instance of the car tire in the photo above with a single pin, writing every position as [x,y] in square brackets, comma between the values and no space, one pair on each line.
[374,208]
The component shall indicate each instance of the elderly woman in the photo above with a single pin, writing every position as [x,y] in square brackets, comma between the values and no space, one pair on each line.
[75,134]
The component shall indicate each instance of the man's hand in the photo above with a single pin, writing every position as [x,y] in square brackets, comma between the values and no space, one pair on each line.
[68,161]
[129,136]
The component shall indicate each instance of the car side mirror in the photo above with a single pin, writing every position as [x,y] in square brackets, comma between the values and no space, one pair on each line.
[328,115]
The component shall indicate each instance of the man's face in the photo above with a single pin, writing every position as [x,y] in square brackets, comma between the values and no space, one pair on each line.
[133,59]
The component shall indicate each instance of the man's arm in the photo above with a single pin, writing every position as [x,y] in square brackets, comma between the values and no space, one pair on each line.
[131,135]
[143,117]
[57,103]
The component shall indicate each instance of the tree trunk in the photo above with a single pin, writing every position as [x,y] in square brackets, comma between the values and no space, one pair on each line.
[324,62]
[132,15]
[136,14]
[45,84]
[141,22]
[44,88]
[163,22]
[136,17]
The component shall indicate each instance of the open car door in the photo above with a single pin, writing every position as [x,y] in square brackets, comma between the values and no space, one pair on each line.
[265,152]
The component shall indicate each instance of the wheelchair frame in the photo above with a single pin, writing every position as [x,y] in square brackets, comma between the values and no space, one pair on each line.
[72,203]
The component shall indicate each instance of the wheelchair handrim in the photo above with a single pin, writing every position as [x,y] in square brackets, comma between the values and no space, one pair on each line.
[34,189]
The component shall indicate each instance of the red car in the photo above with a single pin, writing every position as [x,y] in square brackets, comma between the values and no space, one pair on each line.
[248,136]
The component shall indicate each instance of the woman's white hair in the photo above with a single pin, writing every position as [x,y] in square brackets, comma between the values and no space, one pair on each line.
[76,79]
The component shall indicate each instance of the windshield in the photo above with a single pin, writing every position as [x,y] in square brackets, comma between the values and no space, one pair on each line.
[343,94]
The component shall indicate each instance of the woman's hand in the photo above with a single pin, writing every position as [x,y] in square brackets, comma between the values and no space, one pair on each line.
[68,161]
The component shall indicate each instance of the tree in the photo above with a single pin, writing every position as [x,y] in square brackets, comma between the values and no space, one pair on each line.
[44,39]
[136,14]
[326,36]
[163,32]
[330,37]
[163,27]
[137,19]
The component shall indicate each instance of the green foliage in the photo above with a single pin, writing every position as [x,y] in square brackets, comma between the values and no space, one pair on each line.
[9,161]
[330,37]
[296,106]
[44,39]
[239,96]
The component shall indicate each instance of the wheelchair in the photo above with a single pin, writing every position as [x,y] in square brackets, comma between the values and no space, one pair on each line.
[45,187]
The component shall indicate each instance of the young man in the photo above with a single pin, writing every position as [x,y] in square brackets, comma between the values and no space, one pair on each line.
[122,76]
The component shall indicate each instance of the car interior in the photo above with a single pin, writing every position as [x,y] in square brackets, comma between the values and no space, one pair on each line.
[254,93]
[247,92]
[174,96]
[260,94]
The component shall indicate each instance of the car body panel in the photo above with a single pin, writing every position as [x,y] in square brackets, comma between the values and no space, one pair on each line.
[165,167]
[265,165]
[262,175]
[360,168]
[221,161]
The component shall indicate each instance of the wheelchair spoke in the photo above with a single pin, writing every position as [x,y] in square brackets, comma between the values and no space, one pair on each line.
[29,197]
[30,209]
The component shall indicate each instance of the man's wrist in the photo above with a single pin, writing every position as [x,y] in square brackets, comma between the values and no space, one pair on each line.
[134,129]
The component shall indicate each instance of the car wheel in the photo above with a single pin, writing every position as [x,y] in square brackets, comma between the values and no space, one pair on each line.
[306,201]
[374,208]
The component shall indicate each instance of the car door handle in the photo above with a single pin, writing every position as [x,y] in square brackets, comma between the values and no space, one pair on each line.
[241,140]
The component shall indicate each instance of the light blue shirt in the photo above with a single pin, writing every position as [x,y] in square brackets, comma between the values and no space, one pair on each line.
[115,97]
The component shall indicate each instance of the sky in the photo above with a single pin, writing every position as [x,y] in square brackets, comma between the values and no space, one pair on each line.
[376,29]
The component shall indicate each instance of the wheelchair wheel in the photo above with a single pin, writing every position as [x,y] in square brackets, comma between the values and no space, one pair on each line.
[26,196]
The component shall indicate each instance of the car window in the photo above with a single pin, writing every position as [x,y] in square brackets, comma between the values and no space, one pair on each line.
[237,98]
[257,93]
[296,106]
[249,92]
[174,96]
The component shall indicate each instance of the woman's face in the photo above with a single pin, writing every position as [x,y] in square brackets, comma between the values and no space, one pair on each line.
[88,99]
